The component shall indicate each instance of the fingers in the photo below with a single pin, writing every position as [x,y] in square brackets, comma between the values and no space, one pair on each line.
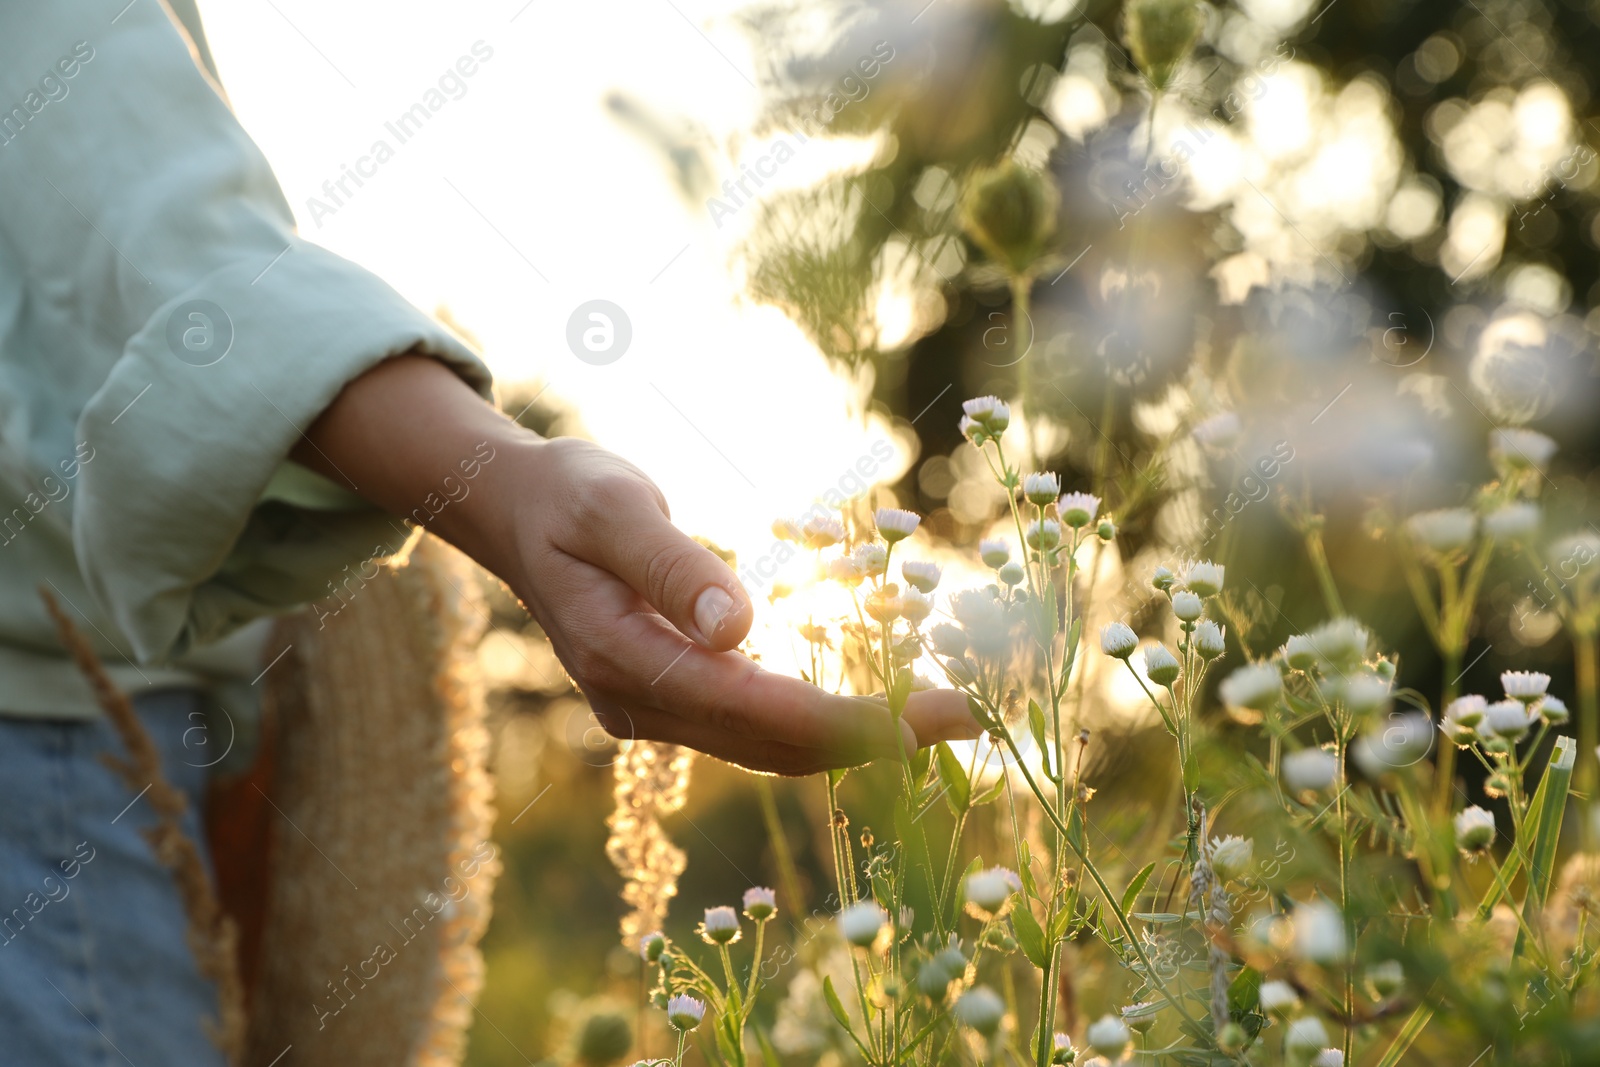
[625,656]
[732,694]
[941,715]
[768,757]
[628,533]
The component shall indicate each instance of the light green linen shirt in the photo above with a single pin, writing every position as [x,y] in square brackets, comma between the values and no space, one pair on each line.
[165,336]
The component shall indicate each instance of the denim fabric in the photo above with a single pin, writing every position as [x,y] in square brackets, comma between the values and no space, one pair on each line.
[95,968]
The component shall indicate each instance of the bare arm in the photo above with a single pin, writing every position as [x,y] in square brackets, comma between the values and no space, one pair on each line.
[584,539]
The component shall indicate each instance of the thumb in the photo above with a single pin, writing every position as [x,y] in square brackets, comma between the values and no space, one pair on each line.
[687,583]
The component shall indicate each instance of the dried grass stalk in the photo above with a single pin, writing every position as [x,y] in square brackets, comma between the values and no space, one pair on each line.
[212,935]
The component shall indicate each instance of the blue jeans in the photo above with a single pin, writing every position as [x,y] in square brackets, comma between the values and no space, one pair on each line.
[95,968]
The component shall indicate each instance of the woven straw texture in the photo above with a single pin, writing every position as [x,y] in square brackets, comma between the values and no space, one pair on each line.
[381,873]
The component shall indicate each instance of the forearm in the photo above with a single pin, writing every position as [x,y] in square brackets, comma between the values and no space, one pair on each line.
[414,439]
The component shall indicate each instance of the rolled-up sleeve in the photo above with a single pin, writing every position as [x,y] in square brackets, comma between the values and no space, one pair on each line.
[165,283]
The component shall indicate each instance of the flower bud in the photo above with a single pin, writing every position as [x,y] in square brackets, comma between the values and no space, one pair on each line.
[1186,605]
[1209,640]
[1474,829]
[1161,34]
[1118,640]
[1041,487]
[1077,509]
[685,1012]
[994,552]
[861,921]
[721,926]
[760,903]
[1108,1036]
[1010,211]
[982,1009]
[1160,666]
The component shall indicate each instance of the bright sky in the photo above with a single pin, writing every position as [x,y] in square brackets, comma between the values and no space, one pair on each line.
[521,198]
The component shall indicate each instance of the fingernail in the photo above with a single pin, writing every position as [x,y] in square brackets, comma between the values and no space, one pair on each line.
[710,609]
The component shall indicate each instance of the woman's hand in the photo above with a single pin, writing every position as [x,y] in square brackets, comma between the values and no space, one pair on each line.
[642,617]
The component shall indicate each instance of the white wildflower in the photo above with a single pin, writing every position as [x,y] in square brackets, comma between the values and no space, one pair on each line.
[990,889]
[1512,522]
[651,946]
[1507,719]
[860,922]
[1041,487]
[1108,1036]
[1160,666]
[1310,770]
[1394,742]
[921,575]
[1278,998]
[1339,644]
[1078,509]
[896,524]
[1209,640]
[1204,578]
[1256,686]
[1118,640]
[1299,653]
[1515,448]
[1475,829]
[915,607]
[1319,933]
[1466,710]
[948,640]
[1526,686]
[994,552]
[760,903]
[871,560]
[822,531]
[845,571]
[1042,535]
[1303,1038]
[1444,531]
[1186,605]
[721,926]
[685,1012]
[982,1009]
[1231,857]
[1366,694]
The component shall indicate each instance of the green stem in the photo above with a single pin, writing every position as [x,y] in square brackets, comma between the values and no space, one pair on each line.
[1587,657]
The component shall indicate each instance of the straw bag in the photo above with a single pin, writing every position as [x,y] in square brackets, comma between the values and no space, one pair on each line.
[354,855]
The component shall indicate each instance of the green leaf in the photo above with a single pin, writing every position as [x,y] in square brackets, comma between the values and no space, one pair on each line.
[1408,1033]
[1030,936]
[1135,886]
[1037,728]
[1549,803]
[834,1004]
[957,789]
[898,694]
[990,795]
[1025,868]
[1244,992]
[1075,830]
[1065,913]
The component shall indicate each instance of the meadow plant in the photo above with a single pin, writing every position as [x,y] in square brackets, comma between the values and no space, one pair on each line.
[1302,879]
